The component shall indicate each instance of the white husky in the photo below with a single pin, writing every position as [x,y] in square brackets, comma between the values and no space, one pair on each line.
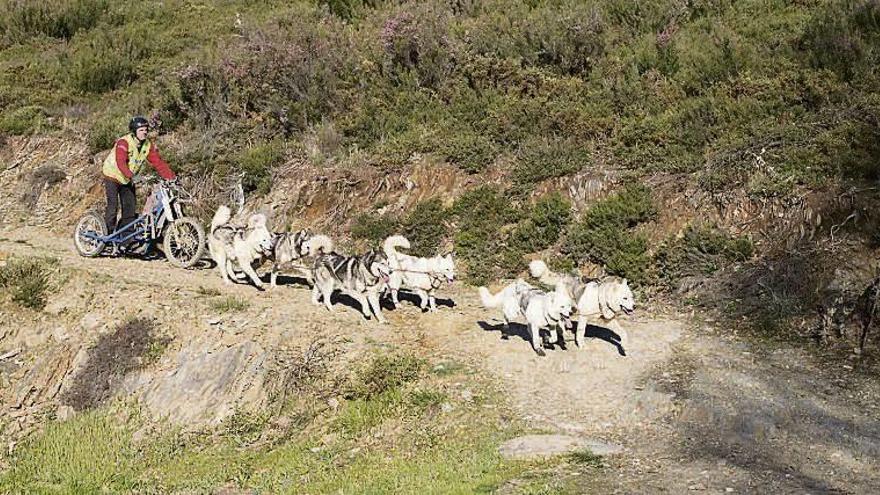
[233,246]
[593,298]
[422,275]
[540,309]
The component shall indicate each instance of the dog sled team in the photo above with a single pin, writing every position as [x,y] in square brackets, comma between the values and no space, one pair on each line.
[237,249]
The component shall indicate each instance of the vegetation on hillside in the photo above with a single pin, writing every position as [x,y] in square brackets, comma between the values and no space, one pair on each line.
[768,97]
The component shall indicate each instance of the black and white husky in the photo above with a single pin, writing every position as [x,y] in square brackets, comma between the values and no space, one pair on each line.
[289,250]
[238,247]
[362,277]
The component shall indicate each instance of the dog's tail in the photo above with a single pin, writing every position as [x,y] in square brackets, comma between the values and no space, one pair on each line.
[490,300]
[392,243]
[542,272]
[320,244]
[223,216]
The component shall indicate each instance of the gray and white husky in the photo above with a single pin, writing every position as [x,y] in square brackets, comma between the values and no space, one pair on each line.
[362,277]
[603,298]
[232,246]
[520,300]
[421,275]
[289,250]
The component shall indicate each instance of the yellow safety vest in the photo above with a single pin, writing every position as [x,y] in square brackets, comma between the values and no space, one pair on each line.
[136,159]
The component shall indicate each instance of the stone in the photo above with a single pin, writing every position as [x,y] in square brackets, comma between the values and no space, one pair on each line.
[532,447]
[90,321]
[207,385]
[64,413]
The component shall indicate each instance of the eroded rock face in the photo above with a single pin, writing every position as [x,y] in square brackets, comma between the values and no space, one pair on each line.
[206,385]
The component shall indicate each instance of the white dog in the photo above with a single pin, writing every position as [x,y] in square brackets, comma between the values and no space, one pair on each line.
[540,309]
[604,298]
[422,275]
[234,247]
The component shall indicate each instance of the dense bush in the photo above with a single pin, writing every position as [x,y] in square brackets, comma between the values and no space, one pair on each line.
[384,373]
[54,18]
[24,120]
[605,235]
[102,61]
[256,163]
[373,227]
[27,280]
[425,227]
[541,159]
[482,215]
[543,225]
[700,251]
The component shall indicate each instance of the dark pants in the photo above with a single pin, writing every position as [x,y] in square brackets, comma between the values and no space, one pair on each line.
[119,194]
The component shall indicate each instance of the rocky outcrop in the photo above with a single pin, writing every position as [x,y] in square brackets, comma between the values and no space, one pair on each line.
[206,385]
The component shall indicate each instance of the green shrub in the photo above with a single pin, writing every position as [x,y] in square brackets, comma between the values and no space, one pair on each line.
[245,427]
[27,279]
[541,159]
[843,36]
[229,304]
[604,234]
[348,9]
[373,227]
[53,18]
[481,215]
[104,132]
[545,222]
[257,162]
[425,227]
[104,61]
[416,41]
[468,150]
[24,120]
[386,373]
[701,250]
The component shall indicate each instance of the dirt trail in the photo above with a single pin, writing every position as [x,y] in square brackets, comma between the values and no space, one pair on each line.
[695,410]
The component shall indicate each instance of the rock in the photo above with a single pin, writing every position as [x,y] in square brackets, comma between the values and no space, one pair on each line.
[90,321]
[446,407]
[43,381]
[467,396]
[207,385]
[333,403]
[12,353]
[531,447]
[697,487]
[60,334]
[64,413]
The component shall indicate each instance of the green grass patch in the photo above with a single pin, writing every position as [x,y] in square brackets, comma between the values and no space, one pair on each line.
[88,454]
[229,304]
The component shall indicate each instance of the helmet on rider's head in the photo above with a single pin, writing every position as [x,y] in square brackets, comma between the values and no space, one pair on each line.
[137,122]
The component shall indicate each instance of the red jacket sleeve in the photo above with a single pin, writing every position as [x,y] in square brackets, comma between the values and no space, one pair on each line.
[159,164]
[122,158]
